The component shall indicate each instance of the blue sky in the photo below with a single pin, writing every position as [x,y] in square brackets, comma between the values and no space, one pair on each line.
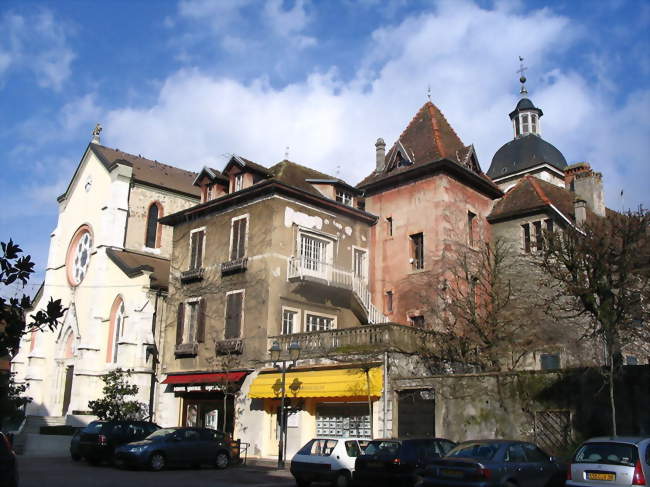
[188,82]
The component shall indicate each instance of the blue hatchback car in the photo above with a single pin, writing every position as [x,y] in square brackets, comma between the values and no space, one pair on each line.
[176,447]
[491,463]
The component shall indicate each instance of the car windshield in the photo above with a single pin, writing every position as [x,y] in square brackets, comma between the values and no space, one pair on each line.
[94,427]
[161,432]
[484,451]
[382,448]
[607,453]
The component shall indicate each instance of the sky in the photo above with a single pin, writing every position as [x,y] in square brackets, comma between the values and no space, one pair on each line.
[190,82]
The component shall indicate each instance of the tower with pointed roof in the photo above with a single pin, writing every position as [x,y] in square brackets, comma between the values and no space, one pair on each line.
[429,193]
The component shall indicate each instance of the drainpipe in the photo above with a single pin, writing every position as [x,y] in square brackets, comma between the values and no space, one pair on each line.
[154,356]
[385,399]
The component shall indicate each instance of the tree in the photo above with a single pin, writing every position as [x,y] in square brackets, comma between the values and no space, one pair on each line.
[13,325]
[482,302]
[114,405]
[604,267]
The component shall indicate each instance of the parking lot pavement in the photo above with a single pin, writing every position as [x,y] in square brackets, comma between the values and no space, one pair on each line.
[63,472]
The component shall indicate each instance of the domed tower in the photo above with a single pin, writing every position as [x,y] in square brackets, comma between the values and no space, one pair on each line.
[527,153]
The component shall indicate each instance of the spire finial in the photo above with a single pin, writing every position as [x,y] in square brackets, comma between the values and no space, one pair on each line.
[429,92]
[96,131]
[522,78]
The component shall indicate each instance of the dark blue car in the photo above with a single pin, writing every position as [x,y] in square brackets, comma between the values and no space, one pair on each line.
[177,447]
[491,463]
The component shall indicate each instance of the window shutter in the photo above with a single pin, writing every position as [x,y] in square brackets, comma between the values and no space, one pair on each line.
[233,315]
[242,238]
[200,326]
[180,319]
[199,248]
[235,240]
[193,251]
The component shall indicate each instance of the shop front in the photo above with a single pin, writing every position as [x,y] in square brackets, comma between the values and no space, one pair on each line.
[207,399]
[334,402]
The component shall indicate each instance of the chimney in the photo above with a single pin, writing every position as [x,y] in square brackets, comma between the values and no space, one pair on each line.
[380,145]
[588,186]
[580,210]
[96,131]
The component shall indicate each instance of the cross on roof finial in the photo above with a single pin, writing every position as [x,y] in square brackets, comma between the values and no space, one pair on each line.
[522,78]
[286,153]
[429,92]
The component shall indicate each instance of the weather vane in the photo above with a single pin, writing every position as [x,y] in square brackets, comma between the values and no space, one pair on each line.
[429,92]
[522,78]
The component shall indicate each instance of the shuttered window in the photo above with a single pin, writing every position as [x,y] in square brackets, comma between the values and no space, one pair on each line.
[238,239]
[234,302]
[417,250]
[180,322]
[196,249]
[190,322]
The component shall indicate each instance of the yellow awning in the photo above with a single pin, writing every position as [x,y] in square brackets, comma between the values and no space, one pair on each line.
[318,383]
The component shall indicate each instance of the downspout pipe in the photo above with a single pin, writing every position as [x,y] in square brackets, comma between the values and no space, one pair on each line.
[385,401]
[154,357]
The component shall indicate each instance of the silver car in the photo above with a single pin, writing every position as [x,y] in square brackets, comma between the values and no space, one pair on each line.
[615,461]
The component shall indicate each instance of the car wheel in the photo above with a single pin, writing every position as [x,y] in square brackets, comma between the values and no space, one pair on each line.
[342,479]
[222,460]
[157,461]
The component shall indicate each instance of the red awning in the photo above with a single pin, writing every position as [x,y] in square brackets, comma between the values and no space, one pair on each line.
[215,378]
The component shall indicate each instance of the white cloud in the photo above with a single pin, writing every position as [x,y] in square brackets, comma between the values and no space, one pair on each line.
[467,54]
[37,43]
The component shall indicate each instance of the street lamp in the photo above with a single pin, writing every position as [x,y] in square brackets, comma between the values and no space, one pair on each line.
[283,366]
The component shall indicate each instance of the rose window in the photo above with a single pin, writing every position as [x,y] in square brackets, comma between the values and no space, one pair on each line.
[79,256]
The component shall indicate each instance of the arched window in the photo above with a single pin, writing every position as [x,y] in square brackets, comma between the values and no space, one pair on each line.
[152,237]
[116,329]
[68,347]
[78,256]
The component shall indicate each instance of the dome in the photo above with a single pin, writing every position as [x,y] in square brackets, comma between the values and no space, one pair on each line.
[524,153]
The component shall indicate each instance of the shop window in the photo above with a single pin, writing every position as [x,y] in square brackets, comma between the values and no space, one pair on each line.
[417,251]
[234,312]
[318,322]
[343,420]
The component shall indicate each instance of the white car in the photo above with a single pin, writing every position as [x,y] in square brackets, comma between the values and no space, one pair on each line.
[327,459]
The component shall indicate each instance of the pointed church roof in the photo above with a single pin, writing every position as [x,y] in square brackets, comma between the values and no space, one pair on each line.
[428,138]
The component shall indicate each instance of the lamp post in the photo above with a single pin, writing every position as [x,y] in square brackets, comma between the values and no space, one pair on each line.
[283,366]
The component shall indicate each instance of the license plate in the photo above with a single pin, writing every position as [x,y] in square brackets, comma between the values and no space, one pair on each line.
[451,473]
[600,476]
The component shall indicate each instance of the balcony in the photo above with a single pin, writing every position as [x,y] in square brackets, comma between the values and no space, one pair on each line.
[304,268]
[386,337]
[186,349]
[234,266]
[232,346]
[192,275]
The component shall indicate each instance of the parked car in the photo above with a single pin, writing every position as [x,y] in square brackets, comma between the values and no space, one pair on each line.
[8,463]
[177,447]
[612,461]
[327,460]
[487,463]
[395,461]
[98,440]
[75,452]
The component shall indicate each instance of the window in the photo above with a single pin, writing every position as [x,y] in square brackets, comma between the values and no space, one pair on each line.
[344,197]
[389,301]
[417,251]
[389,226]
[526,229]
[197,244]
[515,454]
[190,322]
[316,322]
[549,226]
[534,454]
[350,420]
[239,181]
[360,263]
[116,329]
[471,217]
[524,124]
[549,361]
[78,256]
[539,237]
[533,123]
[234,312]
[238,234]
[417,321]
[290,321]
[152,237]
[631,360]
[313,254]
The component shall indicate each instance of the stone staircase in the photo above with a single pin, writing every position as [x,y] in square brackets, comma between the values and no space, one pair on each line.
[33,427]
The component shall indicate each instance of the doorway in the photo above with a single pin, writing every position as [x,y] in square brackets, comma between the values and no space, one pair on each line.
[416,413]
[67,389]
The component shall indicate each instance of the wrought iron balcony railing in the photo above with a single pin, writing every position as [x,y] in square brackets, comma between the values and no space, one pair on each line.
[192,275]
[234,266]
[229,347]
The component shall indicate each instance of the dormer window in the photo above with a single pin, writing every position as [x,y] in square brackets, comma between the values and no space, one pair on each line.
[239,181]
[344,197]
